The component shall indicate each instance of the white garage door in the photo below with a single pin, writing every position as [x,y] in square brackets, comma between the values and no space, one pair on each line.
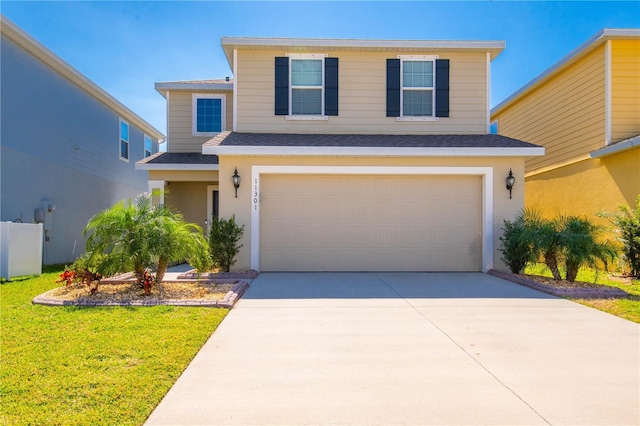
[370,223]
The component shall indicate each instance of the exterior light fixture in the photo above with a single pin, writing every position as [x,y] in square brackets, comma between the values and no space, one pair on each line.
[236,181]
[510,182]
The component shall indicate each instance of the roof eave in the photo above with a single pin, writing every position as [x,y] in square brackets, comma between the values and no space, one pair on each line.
[163,87]
[374,151]
[231,43]
[616,147]
[177,167]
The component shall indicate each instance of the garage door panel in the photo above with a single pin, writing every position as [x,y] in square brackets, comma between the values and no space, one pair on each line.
[380,223]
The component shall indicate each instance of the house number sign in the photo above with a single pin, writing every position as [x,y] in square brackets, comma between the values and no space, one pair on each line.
[255,194]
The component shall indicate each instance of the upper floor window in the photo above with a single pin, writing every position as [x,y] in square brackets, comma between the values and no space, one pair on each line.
[417,88]
[306,86]
[149,146]
[208,114]
[124,140]
[493,127]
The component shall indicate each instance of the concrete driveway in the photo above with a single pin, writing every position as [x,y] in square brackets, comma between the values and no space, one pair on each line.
[409,348]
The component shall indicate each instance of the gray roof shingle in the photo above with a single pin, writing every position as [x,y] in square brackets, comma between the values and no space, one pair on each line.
[365,141]
[180,158]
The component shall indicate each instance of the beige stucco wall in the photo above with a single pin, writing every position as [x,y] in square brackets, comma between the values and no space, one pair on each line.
[565,114]
[190,199]
[186,192]
[587,187]
[180,120]
[504,208]
[362,95]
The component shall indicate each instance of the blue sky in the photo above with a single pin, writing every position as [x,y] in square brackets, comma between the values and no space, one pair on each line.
[125,47]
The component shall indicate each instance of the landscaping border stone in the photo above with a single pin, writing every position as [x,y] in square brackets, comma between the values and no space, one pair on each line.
[213,276]
[228,301]
[595,292]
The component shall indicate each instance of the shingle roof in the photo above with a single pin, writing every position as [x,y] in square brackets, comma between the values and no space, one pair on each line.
[365,141]
[179,158]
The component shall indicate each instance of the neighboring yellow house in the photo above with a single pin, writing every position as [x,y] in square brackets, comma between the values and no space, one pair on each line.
[353,155]
[585,110]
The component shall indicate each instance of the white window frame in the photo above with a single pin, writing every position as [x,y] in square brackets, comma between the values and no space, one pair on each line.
[121,139]
[144,148]
[194,112]
[306,117]
[422,58]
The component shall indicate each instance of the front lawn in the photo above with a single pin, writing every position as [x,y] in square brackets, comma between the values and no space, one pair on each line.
[628,308]
[71,365]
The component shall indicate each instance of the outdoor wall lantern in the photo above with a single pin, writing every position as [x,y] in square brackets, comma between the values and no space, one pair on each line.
[236,181]
[510,182]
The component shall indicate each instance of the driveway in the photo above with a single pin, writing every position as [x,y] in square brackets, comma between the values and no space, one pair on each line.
[409,348]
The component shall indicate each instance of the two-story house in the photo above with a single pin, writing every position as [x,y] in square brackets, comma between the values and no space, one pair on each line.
[585,110]
[351,155]
[68,148]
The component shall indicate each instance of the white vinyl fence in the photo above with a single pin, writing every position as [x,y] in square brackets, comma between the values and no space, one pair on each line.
[20,249]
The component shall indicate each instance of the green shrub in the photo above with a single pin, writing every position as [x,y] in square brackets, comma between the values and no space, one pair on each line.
[628,223]
[139,236]
[516,250]
[566,242]
[223,242]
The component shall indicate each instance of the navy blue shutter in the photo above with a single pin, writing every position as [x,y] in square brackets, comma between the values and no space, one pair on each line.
[393,87]
[282,86]
[442,87]
[330,86]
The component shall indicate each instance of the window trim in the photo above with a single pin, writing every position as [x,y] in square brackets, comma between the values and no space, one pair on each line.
[194,112]
[422,58]
[121,139]
[307,117]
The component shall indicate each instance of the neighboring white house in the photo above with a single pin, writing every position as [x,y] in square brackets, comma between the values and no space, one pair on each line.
[68,148]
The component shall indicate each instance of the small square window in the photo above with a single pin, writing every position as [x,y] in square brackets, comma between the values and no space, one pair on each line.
[208,114]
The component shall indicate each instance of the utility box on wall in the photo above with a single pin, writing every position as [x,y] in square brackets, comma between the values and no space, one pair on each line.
[20,249]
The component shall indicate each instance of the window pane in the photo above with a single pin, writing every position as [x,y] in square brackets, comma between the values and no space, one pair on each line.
[417,74]
[124,131]
[209,115]
[124,149]
[306,72]
[417,103]
[306,101]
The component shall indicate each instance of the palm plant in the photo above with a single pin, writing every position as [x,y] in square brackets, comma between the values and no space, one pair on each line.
[627,222]
[138,236]
[578,238]
[173,239]
[118,238]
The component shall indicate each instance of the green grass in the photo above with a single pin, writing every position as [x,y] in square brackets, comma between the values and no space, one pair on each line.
[72,365]
[627,308]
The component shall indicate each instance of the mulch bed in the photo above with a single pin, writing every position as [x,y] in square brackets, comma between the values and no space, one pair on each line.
[212,290]
[575,290]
